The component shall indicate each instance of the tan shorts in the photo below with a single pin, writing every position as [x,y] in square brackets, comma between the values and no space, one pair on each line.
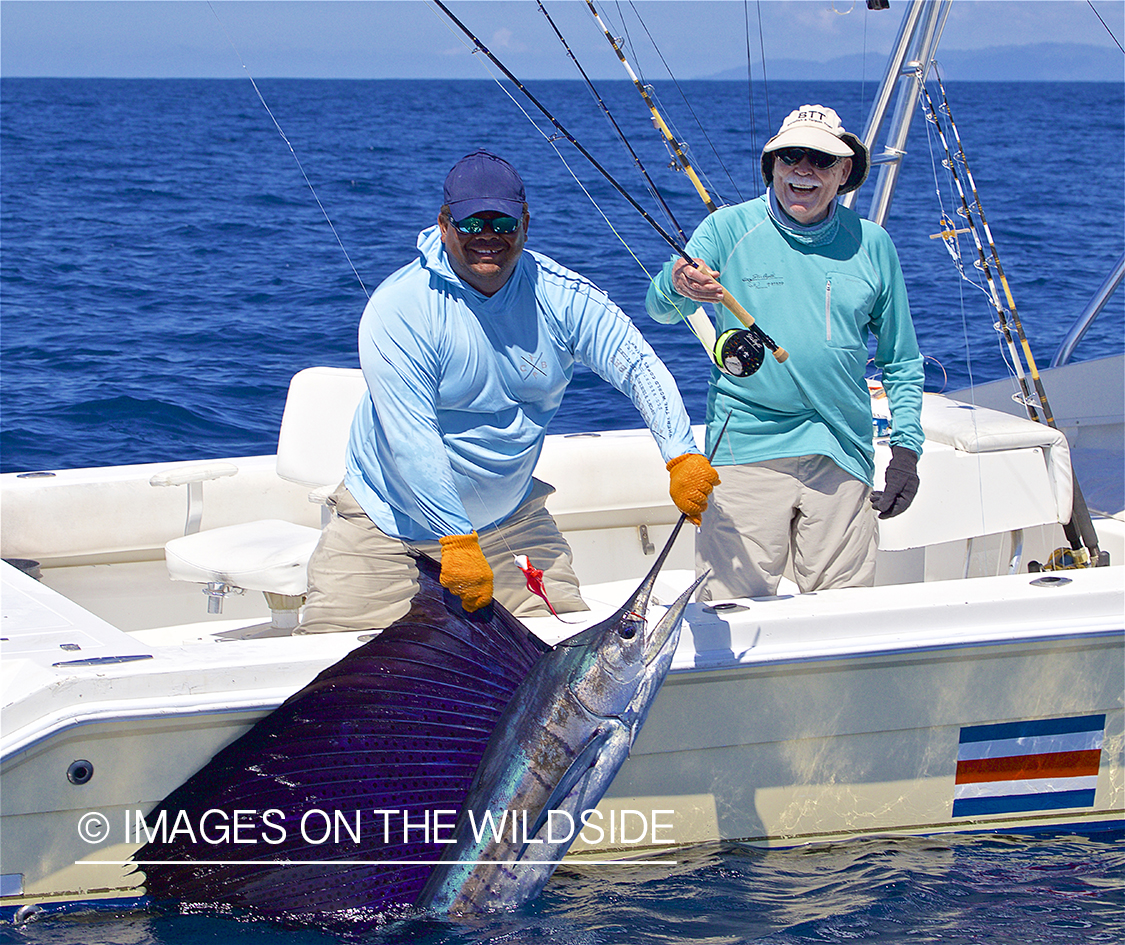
[362,579]
[805,509]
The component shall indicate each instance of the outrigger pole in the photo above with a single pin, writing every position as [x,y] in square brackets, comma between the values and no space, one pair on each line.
[1080,529]
[728,300]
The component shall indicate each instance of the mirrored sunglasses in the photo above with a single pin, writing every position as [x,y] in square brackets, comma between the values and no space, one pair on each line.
[500,225]
[818,159]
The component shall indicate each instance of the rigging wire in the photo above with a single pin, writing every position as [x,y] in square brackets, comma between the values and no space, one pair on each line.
[292,151]
[749,75]
[1107,29]
[765,79]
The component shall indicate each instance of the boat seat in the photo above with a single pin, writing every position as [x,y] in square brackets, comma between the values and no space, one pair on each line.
[271,555]
[986,476]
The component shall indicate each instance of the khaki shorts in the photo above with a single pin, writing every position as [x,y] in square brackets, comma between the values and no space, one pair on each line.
[363,579]
[803,510]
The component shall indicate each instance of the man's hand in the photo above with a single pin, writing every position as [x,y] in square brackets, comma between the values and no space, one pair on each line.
[693,478]
[465,571]
[901,484]
[698,284]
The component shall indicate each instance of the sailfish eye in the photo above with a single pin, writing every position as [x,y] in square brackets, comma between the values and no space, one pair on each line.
[630,626]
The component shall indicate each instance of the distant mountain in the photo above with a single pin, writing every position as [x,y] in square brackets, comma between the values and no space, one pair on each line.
[1043,62]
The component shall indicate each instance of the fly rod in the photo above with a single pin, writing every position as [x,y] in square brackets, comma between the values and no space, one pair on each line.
[728,300]
[698,321]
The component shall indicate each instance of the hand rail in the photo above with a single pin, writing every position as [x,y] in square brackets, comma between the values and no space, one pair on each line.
[1092,310]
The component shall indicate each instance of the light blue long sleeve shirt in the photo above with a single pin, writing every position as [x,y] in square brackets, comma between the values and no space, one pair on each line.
[818,292]
[461,387]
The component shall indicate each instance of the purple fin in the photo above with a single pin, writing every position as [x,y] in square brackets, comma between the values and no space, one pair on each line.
[399,724]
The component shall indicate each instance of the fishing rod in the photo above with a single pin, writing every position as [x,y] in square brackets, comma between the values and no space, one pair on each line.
[616,127]
[1080,529]
[1083,536]
[780,354]
[1042,394]
[949,233]
[727,352]
[675,148]
[697,320]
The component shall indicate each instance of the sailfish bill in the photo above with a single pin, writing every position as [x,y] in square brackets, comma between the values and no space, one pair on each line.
[379,785]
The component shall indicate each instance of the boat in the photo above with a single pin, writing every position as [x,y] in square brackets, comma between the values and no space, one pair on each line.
[148,616]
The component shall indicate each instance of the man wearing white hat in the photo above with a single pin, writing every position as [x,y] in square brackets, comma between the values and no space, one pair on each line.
[797,454]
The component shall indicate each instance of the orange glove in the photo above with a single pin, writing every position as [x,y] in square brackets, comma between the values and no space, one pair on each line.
[693,478]
[465,571]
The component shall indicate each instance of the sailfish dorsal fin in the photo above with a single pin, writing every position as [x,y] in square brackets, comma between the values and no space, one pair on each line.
[399,725]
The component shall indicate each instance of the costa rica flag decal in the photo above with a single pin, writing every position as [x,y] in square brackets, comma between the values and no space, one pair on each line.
[1014,767]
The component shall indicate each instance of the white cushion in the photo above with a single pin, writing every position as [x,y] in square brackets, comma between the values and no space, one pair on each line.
[268,555]
[981,430]
[313,441]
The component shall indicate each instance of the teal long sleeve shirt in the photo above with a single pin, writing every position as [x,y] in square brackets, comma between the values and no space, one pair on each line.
[818,292]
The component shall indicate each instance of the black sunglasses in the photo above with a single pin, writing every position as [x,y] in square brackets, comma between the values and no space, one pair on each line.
[500,225]
[818,159]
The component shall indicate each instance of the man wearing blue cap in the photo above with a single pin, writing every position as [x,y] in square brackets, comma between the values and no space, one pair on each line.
[467,352]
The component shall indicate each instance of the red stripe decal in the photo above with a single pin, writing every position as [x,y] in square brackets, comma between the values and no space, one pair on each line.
[1062,764]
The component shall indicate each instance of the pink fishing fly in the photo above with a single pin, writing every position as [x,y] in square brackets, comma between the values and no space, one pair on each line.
[534,580]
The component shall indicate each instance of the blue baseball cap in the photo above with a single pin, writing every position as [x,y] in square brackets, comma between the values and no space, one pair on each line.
[481,181]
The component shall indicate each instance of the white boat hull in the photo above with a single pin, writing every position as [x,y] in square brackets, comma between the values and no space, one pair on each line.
[786,720]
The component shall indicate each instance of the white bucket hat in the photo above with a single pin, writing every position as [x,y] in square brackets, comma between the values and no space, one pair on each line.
[818,127]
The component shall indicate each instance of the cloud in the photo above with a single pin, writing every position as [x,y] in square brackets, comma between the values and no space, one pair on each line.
[502,39]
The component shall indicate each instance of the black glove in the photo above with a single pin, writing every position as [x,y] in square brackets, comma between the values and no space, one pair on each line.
[739,352]
[901,483]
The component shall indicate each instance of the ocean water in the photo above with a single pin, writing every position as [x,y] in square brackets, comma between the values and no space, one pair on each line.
[956,890]
[164,270]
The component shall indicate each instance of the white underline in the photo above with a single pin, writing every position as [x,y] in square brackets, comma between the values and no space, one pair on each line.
[569,862]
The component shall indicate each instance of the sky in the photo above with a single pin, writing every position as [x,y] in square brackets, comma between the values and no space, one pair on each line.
[412,39]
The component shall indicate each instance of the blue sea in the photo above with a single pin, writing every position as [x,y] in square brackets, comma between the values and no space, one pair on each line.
[166,268]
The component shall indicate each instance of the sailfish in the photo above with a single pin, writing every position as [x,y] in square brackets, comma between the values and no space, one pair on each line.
[421,771]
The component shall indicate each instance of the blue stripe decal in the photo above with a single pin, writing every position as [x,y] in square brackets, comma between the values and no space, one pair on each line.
[976,806]
[987,733]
